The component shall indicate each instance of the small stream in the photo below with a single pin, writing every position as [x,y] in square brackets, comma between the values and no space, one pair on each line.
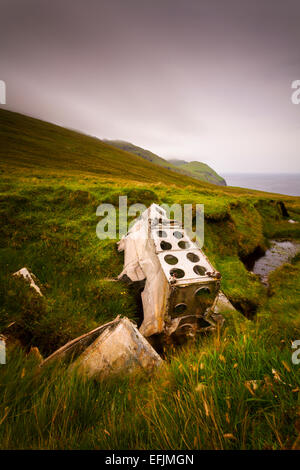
[280,252]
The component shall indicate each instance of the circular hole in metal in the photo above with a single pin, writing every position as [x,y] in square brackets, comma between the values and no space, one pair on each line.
[200,270]
[162,233]
[183,245]
[192,257]
[180,308]
[170,259]
[178,235]
[165,245]
[202,292]
[178,273]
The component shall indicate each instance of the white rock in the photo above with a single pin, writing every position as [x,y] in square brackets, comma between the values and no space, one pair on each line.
[291,221]
[29,278]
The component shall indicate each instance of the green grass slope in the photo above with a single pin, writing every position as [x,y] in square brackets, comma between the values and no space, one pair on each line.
[199,169]
[52,181]
[201,172]
[29,143]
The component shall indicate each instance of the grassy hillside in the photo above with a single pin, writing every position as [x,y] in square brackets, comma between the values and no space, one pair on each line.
[30,143]
[52,181]
[201,170]
[197,170]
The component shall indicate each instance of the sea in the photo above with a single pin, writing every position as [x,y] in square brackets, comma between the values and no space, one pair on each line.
[287,183]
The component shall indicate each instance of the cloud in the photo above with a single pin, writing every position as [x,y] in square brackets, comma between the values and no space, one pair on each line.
[203,80]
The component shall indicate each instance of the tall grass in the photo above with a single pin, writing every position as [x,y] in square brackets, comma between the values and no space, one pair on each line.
[222,392]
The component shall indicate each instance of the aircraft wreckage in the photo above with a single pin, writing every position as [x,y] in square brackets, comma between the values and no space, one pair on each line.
[180,291]
[180,284]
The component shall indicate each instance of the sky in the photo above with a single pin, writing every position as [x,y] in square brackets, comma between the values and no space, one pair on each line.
[206,80]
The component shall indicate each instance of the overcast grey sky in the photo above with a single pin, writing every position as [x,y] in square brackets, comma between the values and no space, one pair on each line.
[206,80]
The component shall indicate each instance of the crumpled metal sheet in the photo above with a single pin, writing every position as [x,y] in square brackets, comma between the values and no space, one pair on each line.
[71,350]
[120,349]
[141,262]
[116,348]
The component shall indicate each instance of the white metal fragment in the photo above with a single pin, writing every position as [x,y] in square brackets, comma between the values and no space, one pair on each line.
[116,348]
[222,303]
[120,349]
[76,346]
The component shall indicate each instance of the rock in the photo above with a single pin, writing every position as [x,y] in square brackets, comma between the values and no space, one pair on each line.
[29,277]
[291,221]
